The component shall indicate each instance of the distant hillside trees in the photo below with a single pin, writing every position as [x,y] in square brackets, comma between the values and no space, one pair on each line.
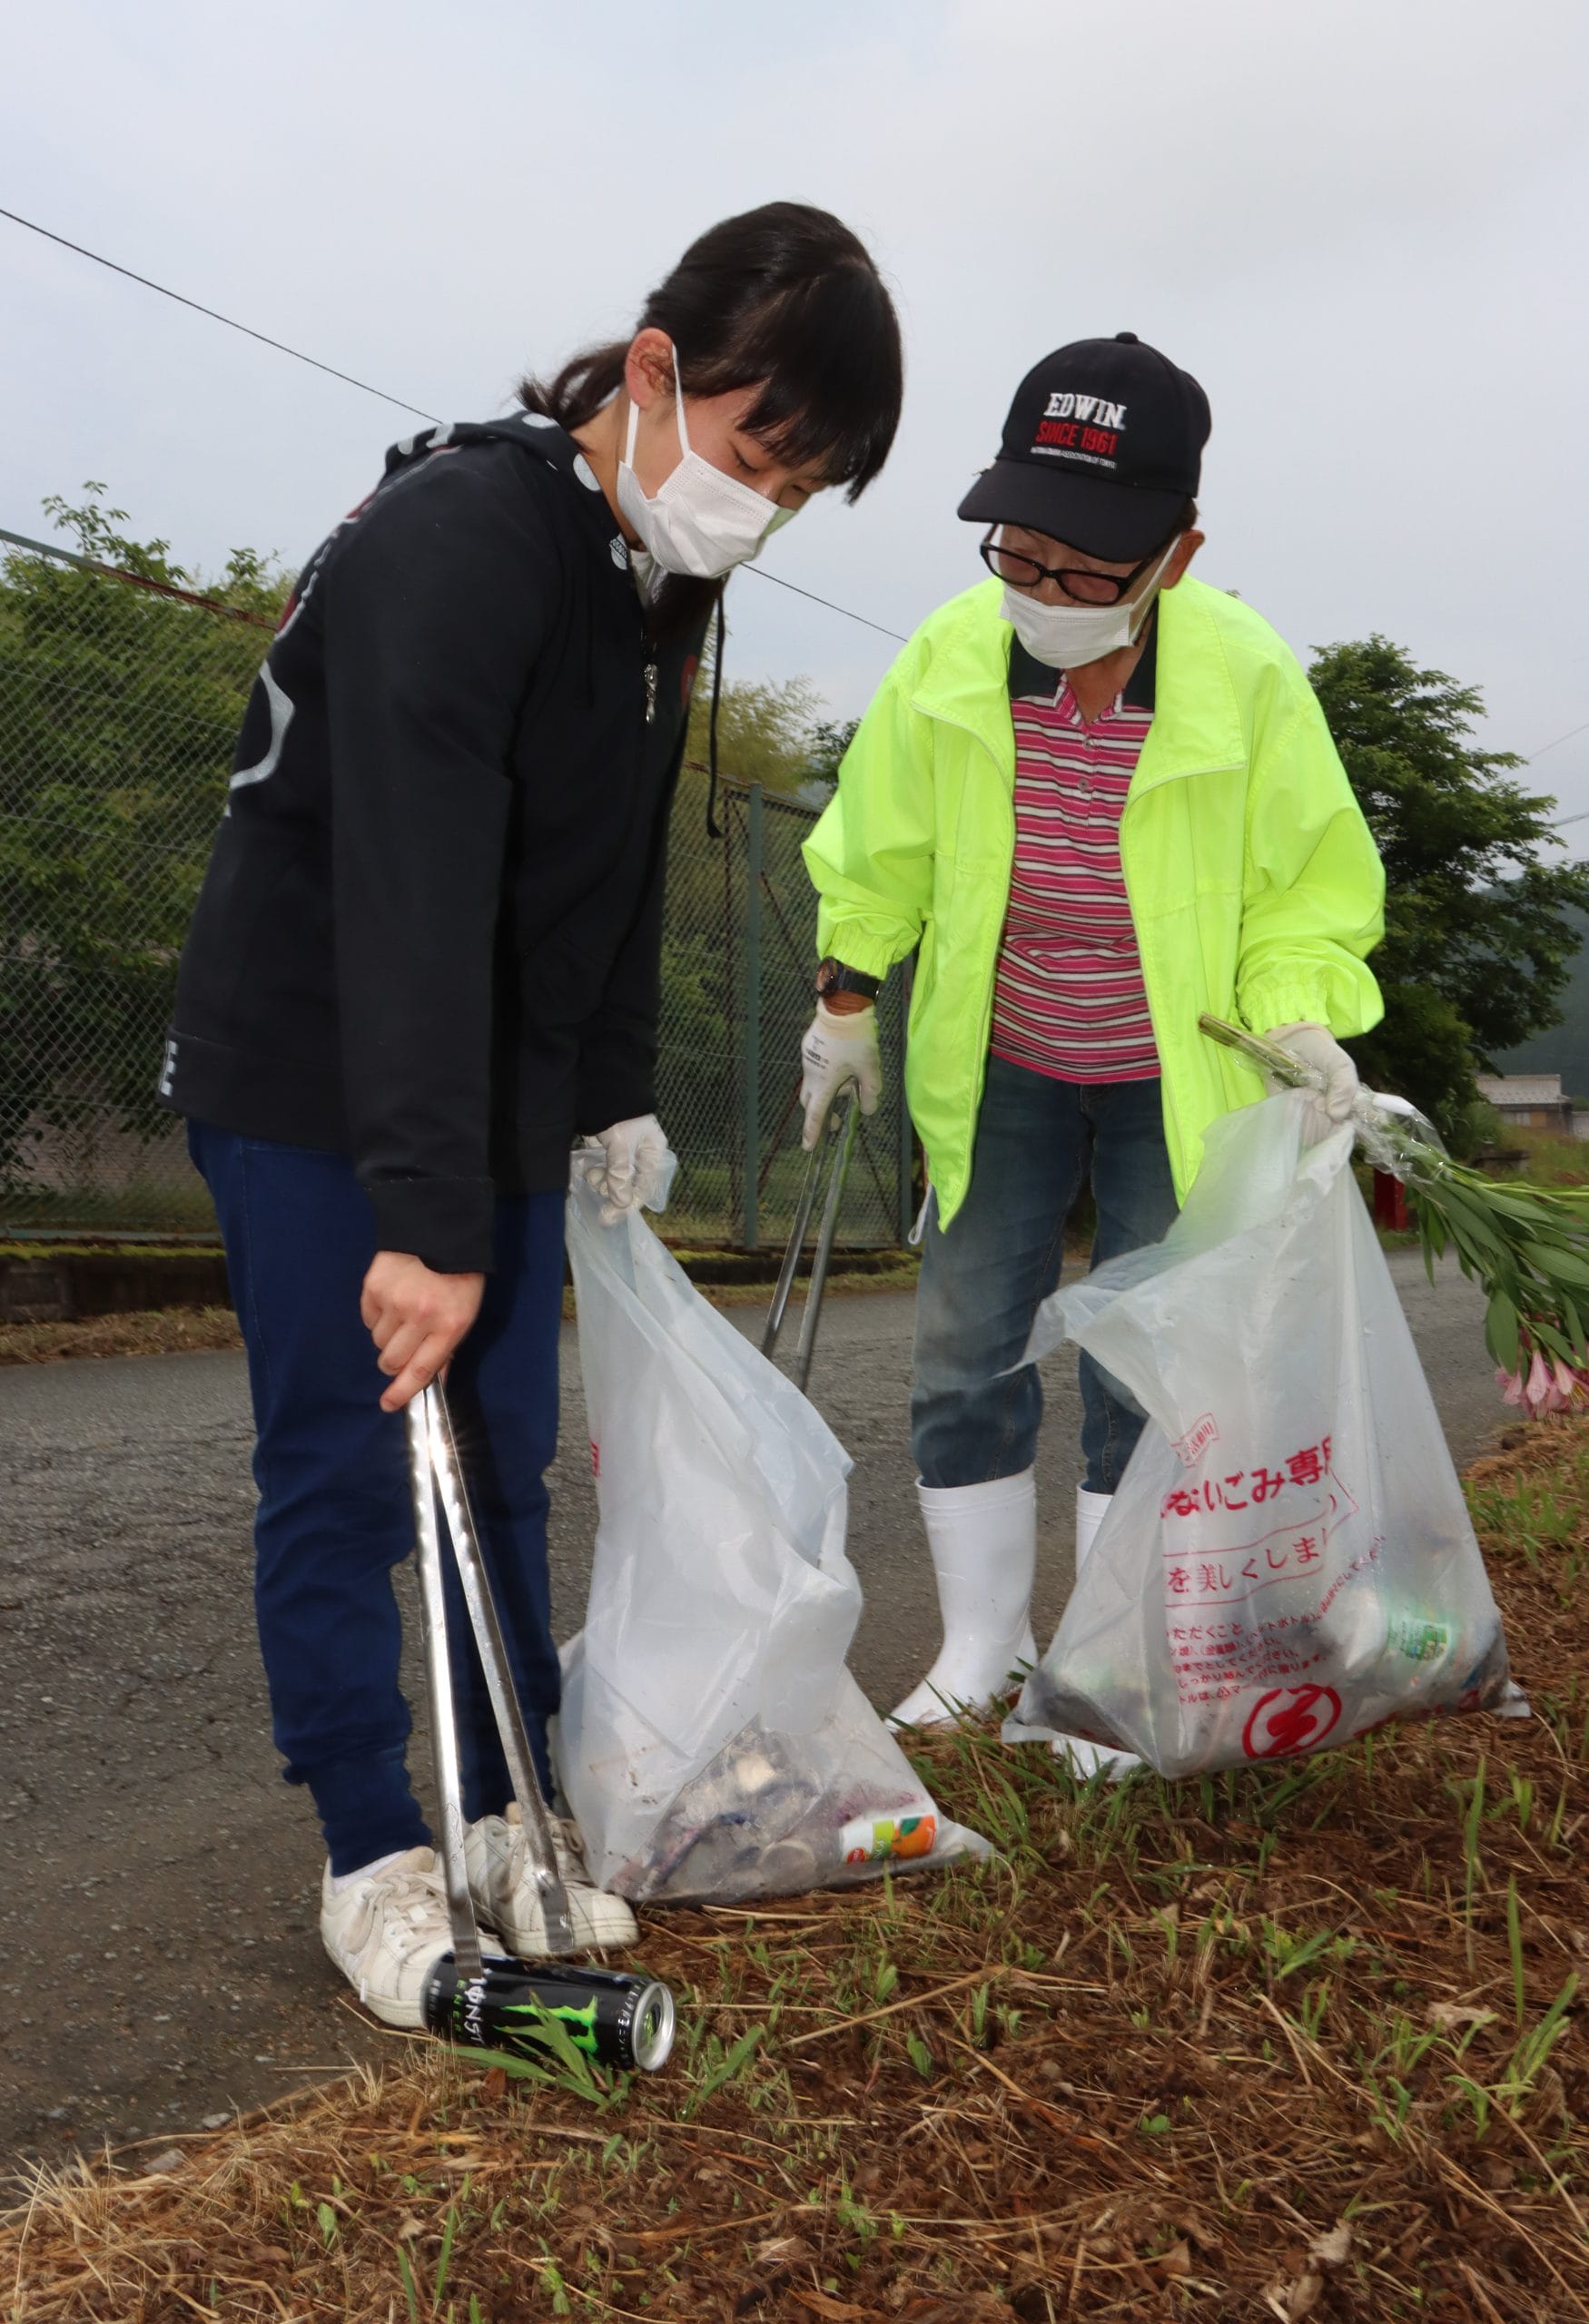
[1481,930]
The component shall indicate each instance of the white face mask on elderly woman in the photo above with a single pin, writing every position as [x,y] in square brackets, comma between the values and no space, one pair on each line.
[700,522]
[1067,637]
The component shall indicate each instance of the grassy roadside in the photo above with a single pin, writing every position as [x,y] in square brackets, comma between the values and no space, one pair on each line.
[1305,2042]
[1552,1161]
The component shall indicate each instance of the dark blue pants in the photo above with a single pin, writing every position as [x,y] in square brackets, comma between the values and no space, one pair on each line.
[983,1281]
[334,1511]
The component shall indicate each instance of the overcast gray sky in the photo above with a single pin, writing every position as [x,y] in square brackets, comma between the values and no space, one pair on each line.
[1362,226]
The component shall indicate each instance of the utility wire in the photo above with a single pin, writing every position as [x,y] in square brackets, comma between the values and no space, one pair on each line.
[1583,815]
[265,340]
[347,378]
[762,575]
[1567,737]
[1556,821]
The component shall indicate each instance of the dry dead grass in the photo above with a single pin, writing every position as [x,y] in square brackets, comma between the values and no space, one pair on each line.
[157,1332]
[171,1331]
[1304,2043]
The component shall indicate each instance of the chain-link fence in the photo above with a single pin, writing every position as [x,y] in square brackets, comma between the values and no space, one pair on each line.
[120,700]
[737,967]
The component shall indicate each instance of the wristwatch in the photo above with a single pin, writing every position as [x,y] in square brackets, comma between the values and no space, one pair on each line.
[832,976]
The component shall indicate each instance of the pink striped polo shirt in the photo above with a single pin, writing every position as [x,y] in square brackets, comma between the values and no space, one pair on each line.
[1068,998]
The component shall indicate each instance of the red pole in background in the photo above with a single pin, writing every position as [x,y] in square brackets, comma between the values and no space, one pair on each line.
[1390,1203]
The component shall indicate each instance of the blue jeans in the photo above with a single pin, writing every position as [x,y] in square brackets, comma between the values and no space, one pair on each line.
[983,1280]
[334,1511]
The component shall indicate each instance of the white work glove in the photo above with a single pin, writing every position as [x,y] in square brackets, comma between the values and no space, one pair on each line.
[630,1163]
[1326,1108]
[838,1049]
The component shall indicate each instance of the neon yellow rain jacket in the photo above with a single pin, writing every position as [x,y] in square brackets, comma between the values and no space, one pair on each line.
[1255,887]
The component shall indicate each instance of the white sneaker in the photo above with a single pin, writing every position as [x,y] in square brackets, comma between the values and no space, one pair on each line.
[385,1932]
[505,1892]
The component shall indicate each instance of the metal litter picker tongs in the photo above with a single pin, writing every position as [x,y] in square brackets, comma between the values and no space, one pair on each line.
[491,2001]
[831,1155]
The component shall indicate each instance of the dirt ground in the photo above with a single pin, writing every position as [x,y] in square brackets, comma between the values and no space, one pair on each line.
[155,1857]
[1304,2042]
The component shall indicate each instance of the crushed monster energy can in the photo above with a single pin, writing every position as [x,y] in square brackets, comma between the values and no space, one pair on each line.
[613,2018]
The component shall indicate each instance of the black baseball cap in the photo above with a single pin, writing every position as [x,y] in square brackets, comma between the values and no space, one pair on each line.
[1102,447]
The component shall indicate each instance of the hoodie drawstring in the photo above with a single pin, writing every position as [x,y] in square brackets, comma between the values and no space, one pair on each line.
[714,828]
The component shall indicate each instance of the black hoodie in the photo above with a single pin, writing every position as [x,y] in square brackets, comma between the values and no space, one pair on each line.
[429,933]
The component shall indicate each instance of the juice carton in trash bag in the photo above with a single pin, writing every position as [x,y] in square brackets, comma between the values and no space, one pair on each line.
[712,1743]
[1289,1559]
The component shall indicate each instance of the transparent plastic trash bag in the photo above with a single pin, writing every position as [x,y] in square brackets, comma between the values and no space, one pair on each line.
[1288,1559]
[712,1743]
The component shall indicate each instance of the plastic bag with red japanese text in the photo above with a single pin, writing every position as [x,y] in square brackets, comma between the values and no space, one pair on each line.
[1289,1559]
[712,1743]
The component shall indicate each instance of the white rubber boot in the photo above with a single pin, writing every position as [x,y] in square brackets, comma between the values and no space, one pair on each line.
[984,1544]
[1091,1509]
[1091,1759]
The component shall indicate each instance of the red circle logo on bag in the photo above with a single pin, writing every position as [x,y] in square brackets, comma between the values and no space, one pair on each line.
[1289,1720]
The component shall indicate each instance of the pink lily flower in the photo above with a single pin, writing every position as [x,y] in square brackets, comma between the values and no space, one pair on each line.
[1541,1387]
[1545,1384]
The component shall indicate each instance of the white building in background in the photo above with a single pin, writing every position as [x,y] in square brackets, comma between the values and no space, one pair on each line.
[1533,1101]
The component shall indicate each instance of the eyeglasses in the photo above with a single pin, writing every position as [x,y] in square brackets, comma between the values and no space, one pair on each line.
[1079,582]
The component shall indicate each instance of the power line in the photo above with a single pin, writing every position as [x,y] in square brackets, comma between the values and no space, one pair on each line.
[1567,737]
[762,575]
[1557,821]
[264,339]
[347,378]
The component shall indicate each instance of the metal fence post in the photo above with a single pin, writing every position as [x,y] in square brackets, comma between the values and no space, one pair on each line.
[750,1233]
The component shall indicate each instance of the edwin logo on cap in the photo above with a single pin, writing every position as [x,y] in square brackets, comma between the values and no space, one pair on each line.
[1066,407]
[1085,424]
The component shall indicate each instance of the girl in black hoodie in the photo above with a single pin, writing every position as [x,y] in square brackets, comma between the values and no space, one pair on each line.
[426,958]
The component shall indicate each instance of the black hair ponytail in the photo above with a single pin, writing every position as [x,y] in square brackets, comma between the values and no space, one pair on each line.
[786,299]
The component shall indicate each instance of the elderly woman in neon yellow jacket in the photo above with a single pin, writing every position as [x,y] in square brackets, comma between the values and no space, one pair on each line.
[1098,798]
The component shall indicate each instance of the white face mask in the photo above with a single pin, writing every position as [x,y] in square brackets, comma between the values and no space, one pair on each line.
[1067,637]
[700,522]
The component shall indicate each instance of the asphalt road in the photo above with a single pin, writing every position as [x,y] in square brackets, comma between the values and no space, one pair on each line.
[159,1959]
